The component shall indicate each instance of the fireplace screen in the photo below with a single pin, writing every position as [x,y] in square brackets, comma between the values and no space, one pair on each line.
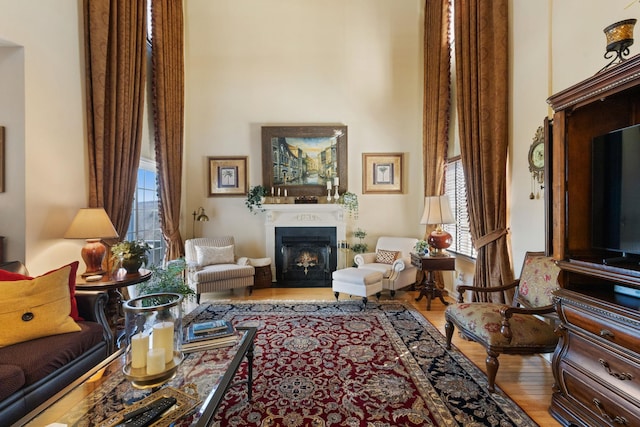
[304,259]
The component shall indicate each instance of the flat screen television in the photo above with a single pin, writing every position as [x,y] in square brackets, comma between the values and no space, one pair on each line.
[615,201]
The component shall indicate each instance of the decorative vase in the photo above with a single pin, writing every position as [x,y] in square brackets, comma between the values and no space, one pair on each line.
[153,328]
[131,265]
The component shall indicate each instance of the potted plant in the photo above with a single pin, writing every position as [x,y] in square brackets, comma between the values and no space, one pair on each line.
[255,198]
[130,255]
[167,279]
[360,247]
[422,247]
[350,202]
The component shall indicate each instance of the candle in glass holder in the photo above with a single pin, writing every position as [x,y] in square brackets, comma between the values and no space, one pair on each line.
[163,338]
[139,349]
[155,361]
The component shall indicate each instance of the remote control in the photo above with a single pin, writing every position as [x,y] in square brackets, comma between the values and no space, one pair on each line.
[146,415]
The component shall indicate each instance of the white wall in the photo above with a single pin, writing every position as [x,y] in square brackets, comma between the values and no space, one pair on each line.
[357,62]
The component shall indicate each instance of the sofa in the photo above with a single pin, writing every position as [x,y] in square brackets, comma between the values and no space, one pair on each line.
[35,369]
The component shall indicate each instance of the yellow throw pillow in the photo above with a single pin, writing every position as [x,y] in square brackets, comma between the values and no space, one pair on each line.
[35,308]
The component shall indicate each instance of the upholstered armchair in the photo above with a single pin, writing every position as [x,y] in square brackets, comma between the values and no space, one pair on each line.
[510,329]
[393,259]
[212,265]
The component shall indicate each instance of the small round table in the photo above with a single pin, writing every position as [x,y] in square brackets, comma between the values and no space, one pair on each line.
[112,285]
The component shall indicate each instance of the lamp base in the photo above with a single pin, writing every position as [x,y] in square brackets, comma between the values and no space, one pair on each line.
[93,254]
[439,240]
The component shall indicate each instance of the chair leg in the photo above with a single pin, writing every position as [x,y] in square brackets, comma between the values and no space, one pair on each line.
[492,369]
[198,298]
[393,293]
[250,290]
[378,296]
[448,328]
[336,295]
[364,300]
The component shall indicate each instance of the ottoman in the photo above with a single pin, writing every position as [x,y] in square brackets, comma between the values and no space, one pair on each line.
[357,281]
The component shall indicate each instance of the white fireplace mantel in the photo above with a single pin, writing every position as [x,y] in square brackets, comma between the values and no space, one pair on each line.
[301,215]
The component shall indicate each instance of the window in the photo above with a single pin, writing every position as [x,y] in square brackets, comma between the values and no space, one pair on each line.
[145,219]
[455,188]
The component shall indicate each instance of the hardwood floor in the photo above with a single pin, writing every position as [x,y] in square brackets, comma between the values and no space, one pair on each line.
[525,379]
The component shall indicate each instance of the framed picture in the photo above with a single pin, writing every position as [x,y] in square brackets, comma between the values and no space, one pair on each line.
[228,176]
[382,173]
[304,160]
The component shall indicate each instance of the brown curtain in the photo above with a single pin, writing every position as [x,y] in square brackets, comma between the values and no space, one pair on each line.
[167,77]
[115,38]
[481,41]
[437,92]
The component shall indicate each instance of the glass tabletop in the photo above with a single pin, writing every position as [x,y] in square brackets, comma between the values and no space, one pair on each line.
[100,396]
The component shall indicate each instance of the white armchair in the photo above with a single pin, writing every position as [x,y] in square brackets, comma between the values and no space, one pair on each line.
[393,259]
[213,266]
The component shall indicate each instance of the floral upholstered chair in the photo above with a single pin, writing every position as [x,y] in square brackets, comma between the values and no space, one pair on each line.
[510,329]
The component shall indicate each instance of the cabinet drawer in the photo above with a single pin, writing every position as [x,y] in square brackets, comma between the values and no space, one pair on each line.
[606,328]
[602,403]
[620,370]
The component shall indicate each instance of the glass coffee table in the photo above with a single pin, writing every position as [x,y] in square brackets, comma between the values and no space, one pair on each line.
[104,394]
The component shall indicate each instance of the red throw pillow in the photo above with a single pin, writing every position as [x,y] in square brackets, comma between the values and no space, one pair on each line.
[7,276]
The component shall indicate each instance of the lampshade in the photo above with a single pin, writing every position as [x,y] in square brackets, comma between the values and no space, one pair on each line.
[92,224]
[437,211]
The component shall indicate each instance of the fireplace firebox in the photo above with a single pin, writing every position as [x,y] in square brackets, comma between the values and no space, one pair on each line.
[305,256]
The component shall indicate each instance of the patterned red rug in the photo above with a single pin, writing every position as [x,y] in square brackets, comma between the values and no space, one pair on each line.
[335,364]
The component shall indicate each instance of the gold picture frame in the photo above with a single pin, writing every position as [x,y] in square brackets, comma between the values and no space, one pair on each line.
[382,173]
[305,160]
[228,176]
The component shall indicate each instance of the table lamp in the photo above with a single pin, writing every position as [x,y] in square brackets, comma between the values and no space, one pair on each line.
[437,211]
[92,224]
[200,216]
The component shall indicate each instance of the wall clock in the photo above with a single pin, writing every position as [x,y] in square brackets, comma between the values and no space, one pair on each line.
[536,163]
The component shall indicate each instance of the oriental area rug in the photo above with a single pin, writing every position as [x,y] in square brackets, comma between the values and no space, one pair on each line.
[340,364]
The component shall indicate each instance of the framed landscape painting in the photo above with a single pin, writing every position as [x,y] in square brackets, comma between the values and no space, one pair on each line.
[305,160]
[228,176]
[382,173]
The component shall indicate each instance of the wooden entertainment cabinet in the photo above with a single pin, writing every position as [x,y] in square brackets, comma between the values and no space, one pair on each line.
[596,365]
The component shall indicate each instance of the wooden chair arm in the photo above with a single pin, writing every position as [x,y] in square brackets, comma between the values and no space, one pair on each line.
[506,312]
[462,288]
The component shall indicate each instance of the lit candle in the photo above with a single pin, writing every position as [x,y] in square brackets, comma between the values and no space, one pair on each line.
[278,191]
[328,185]
[163,338]
[285,192]
[271,191]
[139,349]
[336,181]
[155,361]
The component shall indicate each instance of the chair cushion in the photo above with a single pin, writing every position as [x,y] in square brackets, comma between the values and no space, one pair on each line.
[484,320]
[223,271]
[36,308]
[384,256]
[40,357]
[385,269]
[11,378]
[538,280]
[211,255]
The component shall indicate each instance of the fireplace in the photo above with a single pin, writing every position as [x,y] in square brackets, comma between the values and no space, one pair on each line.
[305,256]
[309,254]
